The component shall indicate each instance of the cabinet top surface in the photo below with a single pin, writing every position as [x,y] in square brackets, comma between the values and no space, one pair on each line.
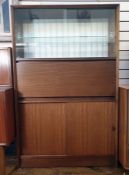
[5,88]
[126,86]
[68,6]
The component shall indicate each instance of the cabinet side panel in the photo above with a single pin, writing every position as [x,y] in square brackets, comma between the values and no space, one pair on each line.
[122,125]
[127,132]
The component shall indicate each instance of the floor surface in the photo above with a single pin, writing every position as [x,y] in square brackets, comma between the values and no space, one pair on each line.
[11,170]
[69,171]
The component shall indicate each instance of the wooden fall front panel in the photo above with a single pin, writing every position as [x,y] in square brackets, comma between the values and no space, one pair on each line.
[66,78]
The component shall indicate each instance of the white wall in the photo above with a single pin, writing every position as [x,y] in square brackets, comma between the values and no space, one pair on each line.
[124,43]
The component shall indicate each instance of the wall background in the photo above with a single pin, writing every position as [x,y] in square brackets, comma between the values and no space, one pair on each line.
[124,43]
[123,32]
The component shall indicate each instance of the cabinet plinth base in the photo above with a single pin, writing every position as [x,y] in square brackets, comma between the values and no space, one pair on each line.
[66,161]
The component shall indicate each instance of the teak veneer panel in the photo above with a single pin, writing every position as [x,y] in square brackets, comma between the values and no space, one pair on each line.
[2,125]
[6,116]
[42,129]
[124,126]
[66,78]
[68,128]
[88,123]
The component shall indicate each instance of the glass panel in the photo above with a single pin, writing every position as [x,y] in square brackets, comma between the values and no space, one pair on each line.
[1,20]
[5,10]
[4,16]
[65,33]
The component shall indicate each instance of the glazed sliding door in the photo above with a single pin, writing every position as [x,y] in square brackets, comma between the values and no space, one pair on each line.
[65,33]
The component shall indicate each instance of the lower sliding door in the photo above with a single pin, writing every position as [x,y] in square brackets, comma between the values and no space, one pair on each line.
[67,133]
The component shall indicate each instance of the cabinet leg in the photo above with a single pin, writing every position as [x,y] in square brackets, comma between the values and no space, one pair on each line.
[2,161]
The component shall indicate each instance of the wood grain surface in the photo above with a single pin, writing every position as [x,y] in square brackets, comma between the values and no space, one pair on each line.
[68,128]
[5,67]
[6,116]
[71,78]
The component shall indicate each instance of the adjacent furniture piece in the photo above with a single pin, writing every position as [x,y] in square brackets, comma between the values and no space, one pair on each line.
[6,123]
[6,116]
[65,69]
[124,126]
[6,105]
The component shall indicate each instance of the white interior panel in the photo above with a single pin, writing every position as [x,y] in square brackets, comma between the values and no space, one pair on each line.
[124,45]
[124,6]
[124,16]
[124,74]
[124,64]
[124,36]
[123,55]
[124,26]
[123,81]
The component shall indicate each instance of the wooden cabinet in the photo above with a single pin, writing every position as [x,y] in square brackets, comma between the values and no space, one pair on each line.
[6,97]
[6,124]
[124,126]
[7,134]
[65,69]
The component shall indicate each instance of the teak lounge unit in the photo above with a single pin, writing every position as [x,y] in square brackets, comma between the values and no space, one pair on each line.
[65,69]
[7,123]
